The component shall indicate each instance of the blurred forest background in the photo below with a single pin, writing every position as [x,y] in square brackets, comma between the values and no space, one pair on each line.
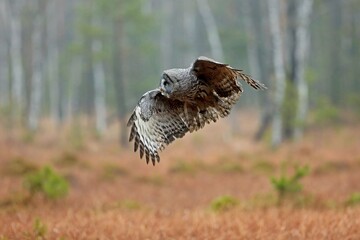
[65,60]
[72,70]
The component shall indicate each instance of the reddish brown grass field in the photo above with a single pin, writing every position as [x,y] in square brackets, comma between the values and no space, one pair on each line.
[114,195]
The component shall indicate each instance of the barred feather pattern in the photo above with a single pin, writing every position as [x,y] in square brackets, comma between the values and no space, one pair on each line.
[202,94]
[153,134]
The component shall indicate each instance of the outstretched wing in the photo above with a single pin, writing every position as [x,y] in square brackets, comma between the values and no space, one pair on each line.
[224,90]
[222,77]
[155,123]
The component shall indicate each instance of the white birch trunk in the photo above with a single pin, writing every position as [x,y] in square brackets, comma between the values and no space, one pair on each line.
[253,59]
[190,31]
[15,56]
[302,38]
[37,77]
[4,66]
[211,29]
[279,66]
[53,59]
[165,38]
[99,82]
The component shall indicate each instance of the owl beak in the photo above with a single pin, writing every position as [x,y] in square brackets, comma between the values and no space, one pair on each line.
[163,92]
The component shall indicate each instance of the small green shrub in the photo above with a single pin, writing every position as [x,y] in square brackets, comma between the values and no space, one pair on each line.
[111,171]
[130,205]
[185,167]
[28,136]
[155,180]
[228,167]
[353,101]
[47,182]
[354,199]
[76,137]
[19,166]
[264,166]
[40,229]
[326,113]
[67,159]
[223,203]
[289,187]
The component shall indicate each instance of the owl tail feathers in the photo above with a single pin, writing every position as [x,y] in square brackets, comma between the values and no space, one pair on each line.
[249,80]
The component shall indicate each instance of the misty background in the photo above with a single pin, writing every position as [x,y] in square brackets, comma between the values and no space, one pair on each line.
[66,60]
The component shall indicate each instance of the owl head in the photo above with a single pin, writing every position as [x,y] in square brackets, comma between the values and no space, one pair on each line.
[166,85]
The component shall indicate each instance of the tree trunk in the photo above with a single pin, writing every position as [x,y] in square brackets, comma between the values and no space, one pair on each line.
[189,19]
[335,72]
[119,81]
[165,38]
[37,78]
[52,70]
[4,66]
[258,56]
[17,83]
[279,67]
[211,29]
[304,10]
[99,83]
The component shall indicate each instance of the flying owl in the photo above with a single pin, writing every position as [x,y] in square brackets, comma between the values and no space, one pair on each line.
[184,102]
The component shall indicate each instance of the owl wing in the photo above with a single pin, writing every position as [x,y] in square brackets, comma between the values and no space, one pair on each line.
[156,122]
[224,88]
[222,77]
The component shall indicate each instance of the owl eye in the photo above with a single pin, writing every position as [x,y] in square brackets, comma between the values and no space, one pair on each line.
[166,83]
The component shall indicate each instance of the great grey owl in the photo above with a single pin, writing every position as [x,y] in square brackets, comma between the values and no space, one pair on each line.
[184,102]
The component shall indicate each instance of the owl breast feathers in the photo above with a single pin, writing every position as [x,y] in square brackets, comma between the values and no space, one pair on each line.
[184,102]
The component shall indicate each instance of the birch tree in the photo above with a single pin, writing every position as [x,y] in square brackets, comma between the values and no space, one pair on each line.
[302,39]
[279,68]
[52,18]
[4,64]
[189,19]
[99,80]
[165,38]
[37,78]
[17,82]
[258,56]
[118,73]
[211,29]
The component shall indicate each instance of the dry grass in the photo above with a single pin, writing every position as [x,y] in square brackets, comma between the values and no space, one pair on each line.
[114,195]
[271,223]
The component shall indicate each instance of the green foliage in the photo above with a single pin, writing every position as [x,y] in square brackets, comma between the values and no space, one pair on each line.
[40,229]
[326,113]
[331,167]
[353,101]
[67,159]
[354,199]
[130,205]
[18,166]
[155,180]
[29,136]
[75,136]
[289,186]
[47,182]
[111,171]
[223,203]
[228,166]
[264,166]
[186,167]
[289,106]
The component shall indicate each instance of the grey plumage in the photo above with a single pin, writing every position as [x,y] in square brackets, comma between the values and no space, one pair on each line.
[184,102]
